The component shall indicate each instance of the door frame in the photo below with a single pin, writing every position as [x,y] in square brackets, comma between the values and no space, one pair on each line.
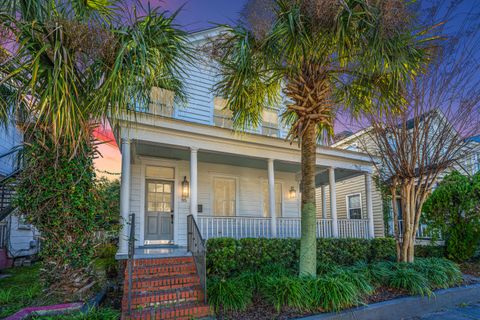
[172,212]
[143,162]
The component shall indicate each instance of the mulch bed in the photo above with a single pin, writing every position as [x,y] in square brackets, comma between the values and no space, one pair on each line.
[471,268]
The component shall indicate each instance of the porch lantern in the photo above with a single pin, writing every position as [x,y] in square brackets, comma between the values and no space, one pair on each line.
[185,189]
[292,193]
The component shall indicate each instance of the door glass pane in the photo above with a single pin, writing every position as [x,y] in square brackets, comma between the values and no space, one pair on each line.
[151,187]
[167,188]
[151,206]
[159,187]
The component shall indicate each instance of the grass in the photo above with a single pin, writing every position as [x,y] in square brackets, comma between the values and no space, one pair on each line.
[20,290]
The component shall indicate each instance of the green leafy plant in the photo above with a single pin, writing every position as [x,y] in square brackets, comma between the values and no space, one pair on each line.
[285,291]
[229,294]
[453,209]
[332,293]
[407,278]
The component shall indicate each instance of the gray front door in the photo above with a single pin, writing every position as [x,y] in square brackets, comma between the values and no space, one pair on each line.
[159,211]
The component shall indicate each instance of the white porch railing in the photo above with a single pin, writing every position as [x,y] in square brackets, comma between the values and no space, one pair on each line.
[353,228]
[254,227]
[421,232]
[234,227]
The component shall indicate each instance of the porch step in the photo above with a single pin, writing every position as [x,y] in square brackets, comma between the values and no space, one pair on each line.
[180,312]
[163,283]
[164,288]
[166,297]
[163,270]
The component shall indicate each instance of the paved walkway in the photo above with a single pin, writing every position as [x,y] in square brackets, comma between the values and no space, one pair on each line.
[459,313]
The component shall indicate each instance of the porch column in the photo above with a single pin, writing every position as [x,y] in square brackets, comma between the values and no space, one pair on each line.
[324,202]
[193,182]
[333,201]
[125,196]
[271,197]
[368,191]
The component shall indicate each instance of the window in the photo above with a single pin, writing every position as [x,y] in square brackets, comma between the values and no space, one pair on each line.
[278,200]
[160,172]
[222,117]
[270,123]
[224,197]
[22,223]
[354,206]
[161,102]
[159,196]
[352,147]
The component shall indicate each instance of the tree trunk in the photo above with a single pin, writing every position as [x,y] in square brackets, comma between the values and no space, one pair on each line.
[308,241]
[409,215]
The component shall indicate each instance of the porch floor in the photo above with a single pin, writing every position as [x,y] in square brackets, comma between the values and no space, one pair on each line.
[152,252]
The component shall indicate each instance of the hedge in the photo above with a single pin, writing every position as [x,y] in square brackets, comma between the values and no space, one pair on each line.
[228,257]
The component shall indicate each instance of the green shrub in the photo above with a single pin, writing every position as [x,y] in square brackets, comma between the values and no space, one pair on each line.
[407,278]
[429,251]
[382,249]
[285,291]
[229,294]
[222,257]
[381,272]
[332,293]
[342,251]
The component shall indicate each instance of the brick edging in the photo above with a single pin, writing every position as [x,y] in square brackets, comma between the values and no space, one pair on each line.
[407,307]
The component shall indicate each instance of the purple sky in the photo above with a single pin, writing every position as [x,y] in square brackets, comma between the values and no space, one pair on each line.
[201,14]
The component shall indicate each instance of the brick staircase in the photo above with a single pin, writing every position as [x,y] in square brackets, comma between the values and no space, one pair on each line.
[164,288]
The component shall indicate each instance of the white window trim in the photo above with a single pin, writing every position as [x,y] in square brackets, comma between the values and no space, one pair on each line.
[212,193]
[262,201]
[348,205]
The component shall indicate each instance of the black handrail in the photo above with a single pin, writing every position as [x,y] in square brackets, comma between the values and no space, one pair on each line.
[196,245]
[131,254]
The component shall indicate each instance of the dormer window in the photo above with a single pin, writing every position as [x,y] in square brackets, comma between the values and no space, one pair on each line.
[161,102]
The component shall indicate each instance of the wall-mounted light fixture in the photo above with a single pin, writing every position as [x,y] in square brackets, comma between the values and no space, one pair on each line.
[292,193]
[185,189]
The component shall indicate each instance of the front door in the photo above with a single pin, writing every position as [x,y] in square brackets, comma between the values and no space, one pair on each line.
[159,212]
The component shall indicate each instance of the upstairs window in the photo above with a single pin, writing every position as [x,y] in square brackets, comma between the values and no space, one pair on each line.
[161,102]
[222,117]
[354,206]
[270,123]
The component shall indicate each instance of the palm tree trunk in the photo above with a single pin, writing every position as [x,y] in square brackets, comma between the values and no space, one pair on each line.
[308,241]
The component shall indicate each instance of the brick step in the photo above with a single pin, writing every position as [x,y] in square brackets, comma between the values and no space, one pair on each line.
[179,312]
[164,297]
[162,261]
[162,283]
[161,271]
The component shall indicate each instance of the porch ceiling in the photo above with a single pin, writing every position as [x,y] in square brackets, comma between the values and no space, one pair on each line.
[148,149]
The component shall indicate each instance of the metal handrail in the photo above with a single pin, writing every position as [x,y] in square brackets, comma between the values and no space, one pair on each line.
[196,245]
[131,254]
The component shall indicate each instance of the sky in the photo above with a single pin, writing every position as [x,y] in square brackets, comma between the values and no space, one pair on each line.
[201,14]
[195,15]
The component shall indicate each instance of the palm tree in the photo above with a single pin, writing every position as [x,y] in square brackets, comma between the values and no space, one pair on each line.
[74,63]
[324,55]
[79,61]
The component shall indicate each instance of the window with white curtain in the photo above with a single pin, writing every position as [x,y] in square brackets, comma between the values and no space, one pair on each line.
[278,200]
[354,206]
[224,197]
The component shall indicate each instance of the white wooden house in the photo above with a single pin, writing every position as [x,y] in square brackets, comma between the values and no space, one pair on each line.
[181,160]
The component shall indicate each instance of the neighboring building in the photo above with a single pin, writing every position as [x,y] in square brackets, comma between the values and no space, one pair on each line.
[361,141]
[18,239]
[179,160]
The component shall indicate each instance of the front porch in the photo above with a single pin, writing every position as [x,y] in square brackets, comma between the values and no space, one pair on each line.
[234,186]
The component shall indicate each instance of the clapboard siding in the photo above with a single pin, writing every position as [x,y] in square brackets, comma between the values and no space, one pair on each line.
[348,187]
[249,184]
[9,137]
